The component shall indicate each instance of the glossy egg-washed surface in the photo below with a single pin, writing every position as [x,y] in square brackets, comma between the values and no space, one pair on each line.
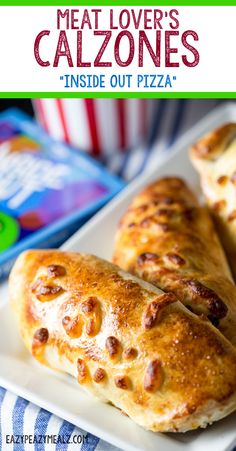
[214,156]
[124,340]
[168,239]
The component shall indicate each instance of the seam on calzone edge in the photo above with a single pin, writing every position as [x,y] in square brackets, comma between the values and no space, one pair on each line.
[124,340]
[168,239]
[214,156]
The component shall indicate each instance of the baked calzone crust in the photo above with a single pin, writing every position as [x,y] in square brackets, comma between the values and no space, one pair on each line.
[214,156]
[125,341]
[168,239]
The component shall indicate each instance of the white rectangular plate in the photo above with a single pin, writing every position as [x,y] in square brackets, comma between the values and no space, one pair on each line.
[60,394]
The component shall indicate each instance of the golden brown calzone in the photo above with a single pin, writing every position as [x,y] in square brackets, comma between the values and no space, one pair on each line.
[214,156]
[125,341]
[168,239]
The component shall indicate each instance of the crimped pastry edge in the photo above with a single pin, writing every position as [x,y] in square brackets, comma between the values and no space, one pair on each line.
[213,144]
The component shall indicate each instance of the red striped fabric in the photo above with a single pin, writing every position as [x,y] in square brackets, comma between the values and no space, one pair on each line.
[39,105]
[121,113]
[56,119]
[93,126]
[143,117]
[63,120]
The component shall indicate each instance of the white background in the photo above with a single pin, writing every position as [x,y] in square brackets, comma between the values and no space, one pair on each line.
[19,27]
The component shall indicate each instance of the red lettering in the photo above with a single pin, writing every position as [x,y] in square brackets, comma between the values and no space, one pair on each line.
[147,19]
[86,20]
[112,26]
[96,11]
[124,19]
[62,41]
[175,22]
[158,15]
[131,48]
[36,48]
[143,39]
[137,19]
[190,48]
[170,49]
[74,19]
[97,61]
[61,15]
[80,63]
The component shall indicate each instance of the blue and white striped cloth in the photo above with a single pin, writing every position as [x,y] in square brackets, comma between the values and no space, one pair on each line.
[170,120]
[18,416]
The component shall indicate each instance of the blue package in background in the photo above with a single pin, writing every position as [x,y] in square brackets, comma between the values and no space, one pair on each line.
[47,189]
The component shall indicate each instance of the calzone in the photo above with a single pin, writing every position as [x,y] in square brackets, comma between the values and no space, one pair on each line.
[168,239]
[214,156]
[124,340]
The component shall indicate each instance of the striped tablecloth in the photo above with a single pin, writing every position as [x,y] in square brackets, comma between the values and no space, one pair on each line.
[18,416]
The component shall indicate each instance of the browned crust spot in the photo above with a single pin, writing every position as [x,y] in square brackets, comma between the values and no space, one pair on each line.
[222,180]
[46,293]
[150,220]
[175,259]
[153,312]
[73,327]
[40,337]
[131,224]
[93,319]
[89,305]
[164,212]
[122,382]
[130,353]
[91,328]
[188,410]
[147,257]
[56,271]
[99,375]
[141,208]
[112,346]
[146,222]
[189,214]
[158,198]
[153,378]
[216,306]
[82,371]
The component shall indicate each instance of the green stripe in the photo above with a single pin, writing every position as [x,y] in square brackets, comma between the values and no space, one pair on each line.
[78,3]
[132,94]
